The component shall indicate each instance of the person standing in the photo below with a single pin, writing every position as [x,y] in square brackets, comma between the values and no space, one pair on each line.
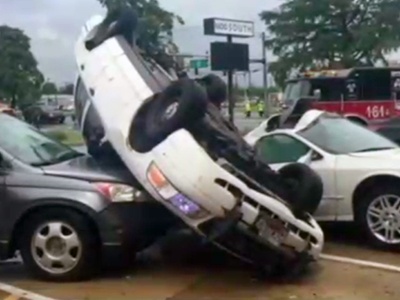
[260,108]
[247,108]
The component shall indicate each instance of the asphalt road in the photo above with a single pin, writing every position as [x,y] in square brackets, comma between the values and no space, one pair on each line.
[180,270]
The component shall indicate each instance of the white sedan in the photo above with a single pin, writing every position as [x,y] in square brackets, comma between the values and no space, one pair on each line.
[360,170]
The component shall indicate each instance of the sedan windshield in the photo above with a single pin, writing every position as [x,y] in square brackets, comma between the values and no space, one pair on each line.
[340,136]
[29,145]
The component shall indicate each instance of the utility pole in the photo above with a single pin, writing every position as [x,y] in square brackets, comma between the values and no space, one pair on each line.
[231,103]
[265,73]
[250,82]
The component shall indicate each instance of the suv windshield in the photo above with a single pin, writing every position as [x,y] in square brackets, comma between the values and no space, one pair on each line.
[295,90]
[29,145]
[341,136]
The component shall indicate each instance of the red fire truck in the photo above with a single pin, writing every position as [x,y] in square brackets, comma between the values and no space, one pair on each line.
[369,96]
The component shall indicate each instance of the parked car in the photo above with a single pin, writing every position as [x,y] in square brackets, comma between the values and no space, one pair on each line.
[131,106]
[360,169]
[15,112]
[41,113]
[64,211]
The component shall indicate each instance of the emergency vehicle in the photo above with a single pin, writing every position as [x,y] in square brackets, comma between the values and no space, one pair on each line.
[368,96]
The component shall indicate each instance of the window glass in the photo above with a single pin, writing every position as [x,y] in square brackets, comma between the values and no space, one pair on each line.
[29,145]
[281,148]
[295,90]
[329,89]
[375,84]
[341,136]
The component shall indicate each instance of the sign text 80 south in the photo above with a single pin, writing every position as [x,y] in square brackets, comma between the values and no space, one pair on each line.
[227,27]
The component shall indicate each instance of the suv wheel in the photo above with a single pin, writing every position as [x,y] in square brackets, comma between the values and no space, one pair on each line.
[59,245]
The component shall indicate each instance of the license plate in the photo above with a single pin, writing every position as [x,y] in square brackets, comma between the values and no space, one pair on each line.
[272,230]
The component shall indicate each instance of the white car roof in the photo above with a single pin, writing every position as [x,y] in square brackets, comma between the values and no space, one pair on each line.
[308,118]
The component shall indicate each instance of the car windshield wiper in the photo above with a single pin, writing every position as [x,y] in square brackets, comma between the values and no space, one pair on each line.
[68,155]
[374,149]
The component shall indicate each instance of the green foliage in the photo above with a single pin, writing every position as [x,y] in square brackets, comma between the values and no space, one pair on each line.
[49,88]
[331,33]
[155,27]
[67,89]
[20,79]
[58,135]
[67,136]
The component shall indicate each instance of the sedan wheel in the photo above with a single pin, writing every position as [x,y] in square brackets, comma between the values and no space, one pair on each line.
[383,218]
[59,245]
[56,247]
[377,213]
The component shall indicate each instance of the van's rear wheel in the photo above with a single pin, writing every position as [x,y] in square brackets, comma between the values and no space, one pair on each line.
[183,103]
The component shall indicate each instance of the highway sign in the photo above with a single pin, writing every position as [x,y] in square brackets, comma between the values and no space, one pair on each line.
[199,63]
[227,27]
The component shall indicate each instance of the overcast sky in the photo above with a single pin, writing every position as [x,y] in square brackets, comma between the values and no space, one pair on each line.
[53,26]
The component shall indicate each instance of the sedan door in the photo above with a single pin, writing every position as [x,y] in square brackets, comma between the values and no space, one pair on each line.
[280,149]
[3,173]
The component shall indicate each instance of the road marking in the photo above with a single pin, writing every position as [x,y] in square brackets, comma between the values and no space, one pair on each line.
[361,263]
[20,294]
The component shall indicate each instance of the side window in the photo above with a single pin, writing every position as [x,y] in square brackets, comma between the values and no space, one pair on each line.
[80,98]
[328,89]
[280,148]
[375,85]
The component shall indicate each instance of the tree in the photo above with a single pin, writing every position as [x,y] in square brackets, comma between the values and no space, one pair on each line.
[67,89]
[49,88]
[20,79]
[155,27]
[331,33]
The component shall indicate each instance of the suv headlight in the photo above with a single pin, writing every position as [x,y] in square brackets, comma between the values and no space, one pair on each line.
[116,192]
[172,196]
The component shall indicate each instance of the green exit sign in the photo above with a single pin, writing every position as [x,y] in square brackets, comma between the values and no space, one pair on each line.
[199,63]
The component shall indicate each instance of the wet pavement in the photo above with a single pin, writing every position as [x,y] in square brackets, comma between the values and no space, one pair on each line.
[181,270]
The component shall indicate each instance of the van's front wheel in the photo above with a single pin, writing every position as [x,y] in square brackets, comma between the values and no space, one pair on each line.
[307,187]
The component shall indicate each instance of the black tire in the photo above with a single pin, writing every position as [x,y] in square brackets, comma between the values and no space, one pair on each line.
[61,120]
[307,187]
[284,271]
[86,265]
[362,207]
[190,100]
